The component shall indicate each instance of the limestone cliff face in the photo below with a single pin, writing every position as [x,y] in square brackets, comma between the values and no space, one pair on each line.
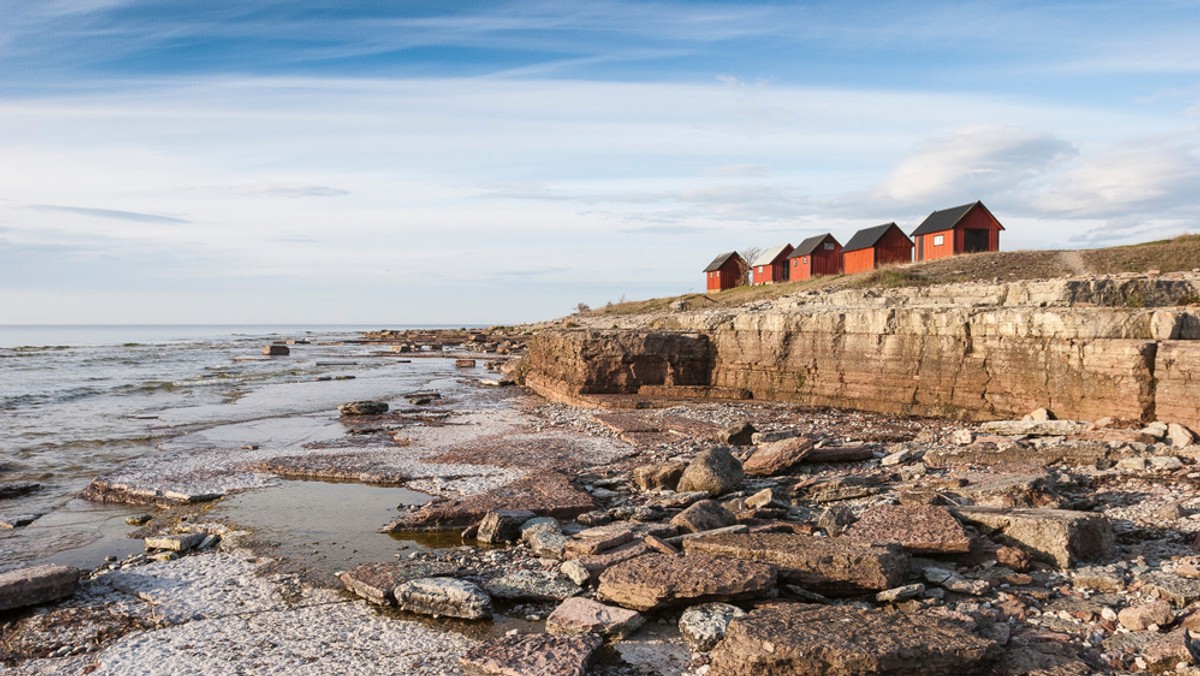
[1085,348]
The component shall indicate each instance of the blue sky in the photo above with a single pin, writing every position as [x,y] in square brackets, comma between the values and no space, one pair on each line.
[478,162]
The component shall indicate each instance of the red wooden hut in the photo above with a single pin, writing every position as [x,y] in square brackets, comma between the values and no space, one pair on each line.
[771,266]
[875,247]
[726,271]
[966,229]
[817,255]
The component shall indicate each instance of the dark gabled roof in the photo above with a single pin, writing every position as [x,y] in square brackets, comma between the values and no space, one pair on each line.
[946,219]
[867,237]
[721,260]
[810,245]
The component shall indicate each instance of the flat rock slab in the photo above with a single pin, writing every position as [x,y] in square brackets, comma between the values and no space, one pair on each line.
[654,581]
[444,597]
[830,566]
[502,525]
[15,489]
[703,515]
[544,493]
[704,626]
[37,584]
[180,542]
[921,529]
[802,639]
[778,456]
[595,564]
[9,521]
[376,582]
[579,615]
[1180,591]
[532,655]
[1058,536]
[533,585]
[1034,428]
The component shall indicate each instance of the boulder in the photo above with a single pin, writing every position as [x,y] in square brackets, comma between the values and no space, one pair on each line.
[831,566]
[578,615]
[714,471]
[363,408]
[376,582]
[1142,616]
[704,626]
[444,597]
[1179,436]
[921,529]
[502,525]
[655,581]
[533,585]
[1058,536]
[778,456]
[794,638]
[532,655]
[702,516]
[658,477]
[37,584]
[576,572]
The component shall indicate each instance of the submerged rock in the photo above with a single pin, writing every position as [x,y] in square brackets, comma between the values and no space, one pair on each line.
[794,638]
[363,408]
[444,597]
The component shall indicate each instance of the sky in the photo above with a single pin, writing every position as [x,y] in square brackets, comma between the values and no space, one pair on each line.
[496,162]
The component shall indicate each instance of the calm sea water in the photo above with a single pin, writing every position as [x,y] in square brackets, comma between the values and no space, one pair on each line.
[78,401]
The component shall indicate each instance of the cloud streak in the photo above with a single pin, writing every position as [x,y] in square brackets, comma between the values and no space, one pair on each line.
[110,214]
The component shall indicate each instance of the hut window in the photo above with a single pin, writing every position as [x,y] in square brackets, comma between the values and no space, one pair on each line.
[939,240]
[829,246]
[806,259]
[760,268]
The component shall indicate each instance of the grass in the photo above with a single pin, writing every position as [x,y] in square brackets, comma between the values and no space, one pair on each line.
[1171,255]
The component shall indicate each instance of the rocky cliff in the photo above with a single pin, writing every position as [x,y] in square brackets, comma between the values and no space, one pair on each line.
[1124,346]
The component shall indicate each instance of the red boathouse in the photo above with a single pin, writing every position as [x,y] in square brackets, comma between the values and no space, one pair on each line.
[871,248]
[969,228]
[818,255]
[771,266]
[725,272]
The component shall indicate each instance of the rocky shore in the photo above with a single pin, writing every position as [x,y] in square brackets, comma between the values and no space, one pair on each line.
[700,537]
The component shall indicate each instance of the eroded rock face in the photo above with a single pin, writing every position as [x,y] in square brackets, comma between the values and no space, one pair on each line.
[922,529]
[714,471]
[654,581]
[792,638]
[831,566]
[444,597]
[532,655]
[778,456]
[1058,536]
[37,584]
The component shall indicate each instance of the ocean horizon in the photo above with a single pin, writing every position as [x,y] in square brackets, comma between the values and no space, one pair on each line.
[91,335]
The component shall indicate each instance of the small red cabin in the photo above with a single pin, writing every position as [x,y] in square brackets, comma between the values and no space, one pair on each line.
[871,248]
[771,266]
[726,271]
[819,255]
[949,232]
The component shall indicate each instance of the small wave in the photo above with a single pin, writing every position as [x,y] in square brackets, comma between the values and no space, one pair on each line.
[60,397]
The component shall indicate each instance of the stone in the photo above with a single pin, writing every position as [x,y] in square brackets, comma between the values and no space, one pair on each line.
[680,539]
[36,584]
[546,544]
[899,457]
[599,539]
[1033,428]
[576,572]
[578,615]
[1180,591]
[15,489]
[796,638]
[1171,511]
[962,437]
[769,497]
[464,363]
[655,581]
[1175,647]
[1157,429]
[1141,617]
[830,566]
[1179,436]
[1099,579]
[598,563]
[180,542]
[502,525]
[1165,462]
[533,585]
[778,456]
[952,581]
[1041,415]
[702,516]
[376,582]
[848,453]
[544,492]
[363,408]
[921,529]
[10,521]
[740,434]
[714,471]
[704,626]
[532,655]
[443,597]
[1057,536]
[904,593]
[276,350]
[658,477]
[834,520]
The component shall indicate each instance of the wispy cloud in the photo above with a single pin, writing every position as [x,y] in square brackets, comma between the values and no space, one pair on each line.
[111,214]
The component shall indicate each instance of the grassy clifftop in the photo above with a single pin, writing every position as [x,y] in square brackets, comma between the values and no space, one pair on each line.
[1173,255]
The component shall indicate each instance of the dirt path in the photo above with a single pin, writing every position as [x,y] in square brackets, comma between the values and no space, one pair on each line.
[1073,262]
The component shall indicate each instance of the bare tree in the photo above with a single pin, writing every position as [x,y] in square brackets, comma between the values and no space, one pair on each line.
[749,254]
[582,308]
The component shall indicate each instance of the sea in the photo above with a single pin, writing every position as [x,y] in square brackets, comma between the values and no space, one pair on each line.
[78,401]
